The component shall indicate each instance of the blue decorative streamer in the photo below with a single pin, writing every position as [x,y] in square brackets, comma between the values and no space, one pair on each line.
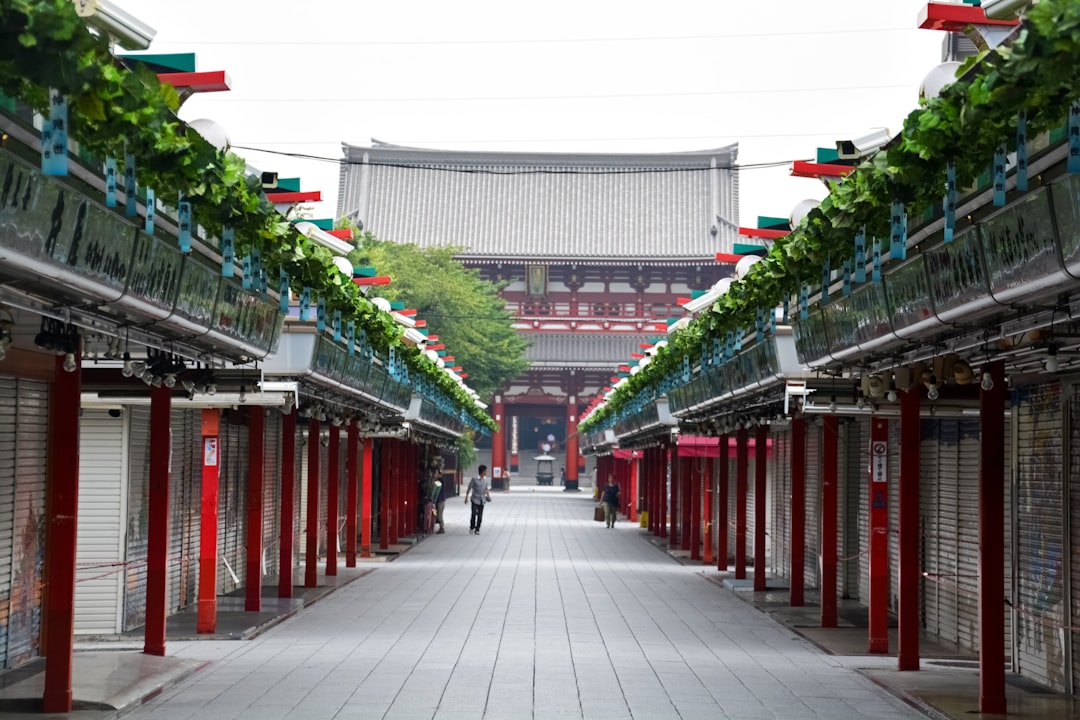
[245,267]
[110,182]
[898,249]
[183,234]
[760,325]
[804,303]
[717,352]
[1074,137]
[131,208]
[1021,152]
[729,345]
[847,279]
[320,315]
[825,277]
[875,273]
[786,320]
[860,256]
[772,320]
[998,175]
[738,339]
[54,137]
[949,203]
[305,304]
[350,335]
[151,210]
[263,282]
[337,326]
[283,291]
[228,253]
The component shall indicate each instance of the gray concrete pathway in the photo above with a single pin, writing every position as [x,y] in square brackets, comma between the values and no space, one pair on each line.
[545,614]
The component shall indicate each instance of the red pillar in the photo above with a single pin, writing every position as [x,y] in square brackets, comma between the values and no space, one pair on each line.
[333,486]
[686,502]
[632,509]
[208,522]
[366,499]
[571,446]
[741,463]
[395,491]
[385,482]
[662,490]
[878,601]
[992,543]
[830,457]
[157,536]
[253,554]
[760,469]
[695,508]
[907,612]
[707,482]
[498,438]
[288,500]
[648,470]
[311,542]
[62,530]
[352,443]
[798,511]
[722,493]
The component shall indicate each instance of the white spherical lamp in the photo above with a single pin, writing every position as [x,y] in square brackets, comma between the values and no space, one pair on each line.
[343,265]
[381,303]
[212,133]
[936,80]
[801,210]
[745,263]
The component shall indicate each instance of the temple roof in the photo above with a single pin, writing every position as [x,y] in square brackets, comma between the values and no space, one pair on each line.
[545,206]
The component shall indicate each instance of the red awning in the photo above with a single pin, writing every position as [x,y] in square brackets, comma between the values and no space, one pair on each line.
[698,446]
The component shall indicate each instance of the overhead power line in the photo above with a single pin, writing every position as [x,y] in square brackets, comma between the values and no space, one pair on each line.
[533,41]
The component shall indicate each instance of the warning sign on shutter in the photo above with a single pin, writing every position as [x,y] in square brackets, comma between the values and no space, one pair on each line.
[879,462]
[210,452]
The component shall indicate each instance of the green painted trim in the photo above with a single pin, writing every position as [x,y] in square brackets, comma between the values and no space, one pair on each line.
[168,62]
[747,249]
[365,271]
[695,294]
[827,155]
[397,305]
[765,222]
[289,184]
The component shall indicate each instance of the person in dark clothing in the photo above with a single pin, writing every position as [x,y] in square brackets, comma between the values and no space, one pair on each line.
[440,503]
[481,494]
[611,501]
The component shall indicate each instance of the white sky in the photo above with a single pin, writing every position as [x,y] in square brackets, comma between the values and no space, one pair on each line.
[780,77]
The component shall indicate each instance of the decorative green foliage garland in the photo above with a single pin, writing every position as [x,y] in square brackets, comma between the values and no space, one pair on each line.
[1038,74]
[113,110]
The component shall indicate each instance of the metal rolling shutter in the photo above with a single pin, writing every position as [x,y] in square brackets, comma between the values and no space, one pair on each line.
[751,501]
[894,507]
[851,575]
[1074,527]
[812,563]
[232,485]
[28,560]
[137,426]
[8,423]
[99,575]
[324,458]
[967,549]
[271,491]
[1039,597]
[937,504]
[780,556]
[185,501]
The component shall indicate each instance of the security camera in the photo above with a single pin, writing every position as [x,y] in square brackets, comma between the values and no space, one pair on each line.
[128,31]
[1005,9]
[862,146]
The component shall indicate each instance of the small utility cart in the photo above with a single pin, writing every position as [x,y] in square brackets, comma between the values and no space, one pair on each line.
[544,473]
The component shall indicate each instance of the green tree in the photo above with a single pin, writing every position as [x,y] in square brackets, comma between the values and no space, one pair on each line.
[465,311]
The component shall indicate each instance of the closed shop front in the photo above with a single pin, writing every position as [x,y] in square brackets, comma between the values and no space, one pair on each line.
[24,412]
[100,573]
[1040,608]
